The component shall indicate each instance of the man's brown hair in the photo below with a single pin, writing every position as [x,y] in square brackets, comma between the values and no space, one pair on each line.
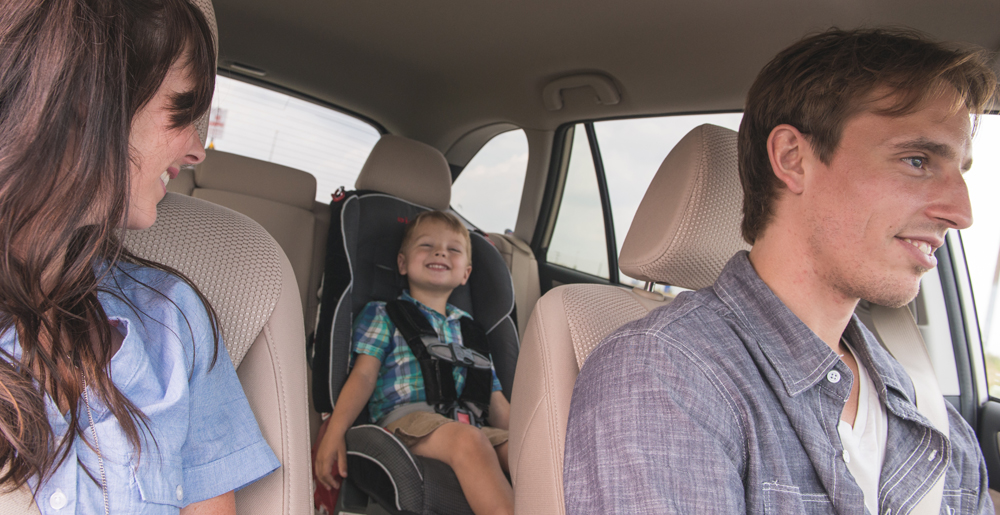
[449,220]
[817,84]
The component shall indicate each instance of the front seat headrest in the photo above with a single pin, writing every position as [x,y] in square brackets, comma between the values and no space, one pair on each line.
[688,224]
[407,169]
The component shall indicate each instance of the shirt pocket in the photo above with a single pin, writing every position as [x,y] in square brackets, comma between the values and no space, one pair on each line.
[787,499]
[162,483]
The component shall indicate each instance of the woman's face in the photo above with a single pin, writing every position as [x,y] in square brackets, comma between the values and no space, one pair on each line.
[158,151]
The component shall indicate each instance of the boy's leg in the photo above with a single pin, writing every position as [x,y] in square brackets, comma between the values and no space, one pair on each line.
[502,456]
[469,453]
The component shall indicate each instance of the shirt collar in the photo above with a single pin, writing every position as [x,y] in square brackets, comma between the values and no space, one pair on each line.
[799,357]
[451,312]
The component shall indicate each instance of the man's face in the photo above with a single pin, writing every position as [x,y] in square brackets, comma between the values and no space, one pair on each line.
[892,189]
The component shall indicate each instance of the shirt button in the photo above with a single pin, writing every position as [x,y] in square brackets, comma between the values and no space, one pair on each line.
[180,493]
[58,500]
[833,376]
[847,456]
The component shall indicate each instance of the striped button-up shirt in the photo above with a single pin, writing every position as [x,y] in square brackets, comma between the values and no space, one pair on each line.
[400,381]
[725,402]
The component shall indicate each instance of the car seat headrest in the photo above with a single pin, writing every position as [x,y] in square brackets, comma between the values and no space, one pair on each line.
[256,178]
[205,6]
[218,249]
[688,224]
[407,169]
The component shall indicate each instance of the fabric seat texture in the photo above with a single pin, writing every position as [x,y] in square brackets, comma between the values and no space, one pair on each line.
[280,199]
[683,233]
[250,283]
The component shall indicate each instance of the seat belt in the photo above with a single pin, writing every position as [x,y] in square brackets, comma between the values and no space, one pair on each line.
[898,331]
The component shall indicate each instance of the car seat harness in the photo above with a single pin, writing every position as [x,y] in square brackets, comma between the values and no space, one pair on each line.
[438,359]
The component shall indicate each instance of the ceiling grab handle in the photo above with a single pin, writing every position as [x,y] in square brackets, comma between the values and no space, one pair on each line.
[604,87]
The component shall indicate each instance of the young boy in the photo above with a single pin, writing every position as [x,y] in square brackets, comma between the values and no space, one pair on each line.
[435,258]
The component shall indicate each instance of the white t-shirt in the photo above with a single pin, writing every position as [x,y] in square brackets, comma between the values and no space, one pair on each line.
[864,443]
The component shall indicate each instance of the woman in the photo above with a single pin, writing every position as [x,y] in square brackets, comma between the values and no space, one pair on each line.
[114,396]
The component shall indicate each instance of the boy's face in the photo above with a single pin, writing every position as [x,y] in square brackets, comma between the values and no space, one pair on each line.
[435,258]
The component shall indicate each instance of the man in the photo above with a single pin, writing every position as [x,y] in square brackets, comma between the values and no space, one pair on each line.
[763,394]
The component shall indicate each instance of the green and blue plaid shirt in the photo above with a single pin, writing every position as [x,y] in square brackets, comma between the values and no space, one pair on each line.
[400,381]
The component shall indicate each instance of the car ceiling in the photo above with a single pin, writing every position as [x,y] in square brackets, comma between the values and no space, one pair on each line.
[435,70]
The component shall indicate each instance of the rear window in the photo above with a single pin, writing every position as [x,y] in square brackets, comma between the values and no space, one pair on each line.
[262,124]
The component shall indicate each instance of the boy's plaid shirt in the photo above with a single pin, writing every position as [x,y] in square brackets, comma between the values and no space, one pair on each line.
[399,380]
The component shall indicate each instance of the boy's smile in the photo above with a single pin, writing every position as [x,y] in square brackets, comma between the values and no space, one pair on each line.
[436,259]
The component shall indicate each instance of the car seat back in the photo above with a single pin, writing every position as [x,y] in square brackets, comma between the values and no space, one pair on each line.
[250,283]
[279,198]
[684,232]
[401,178]
[524,271]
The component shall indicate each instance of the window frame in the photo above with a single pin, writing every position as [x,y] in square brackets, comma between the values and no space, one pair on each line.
[259,82]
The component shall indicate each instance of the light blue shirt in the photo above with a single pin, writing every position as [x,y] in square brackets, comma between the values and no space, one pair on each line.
[207,441]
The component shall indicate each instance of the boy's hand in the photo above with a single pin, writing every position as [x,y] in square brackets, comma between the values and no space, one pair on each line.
[332,452]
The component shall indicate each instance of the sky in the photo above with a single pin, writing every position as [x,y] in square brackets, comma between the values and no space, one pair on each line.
[271,126]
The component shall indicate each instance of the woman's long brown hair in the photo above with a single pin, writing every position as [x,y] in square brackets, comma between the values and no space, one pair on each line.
[73,74]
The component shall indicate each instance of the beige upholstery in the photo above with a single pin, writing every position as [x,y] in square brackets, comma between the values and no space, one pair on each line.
[279,198]
[523,271]
[409,170]
[698,232]
[685,234]
[251,285]
[563,330]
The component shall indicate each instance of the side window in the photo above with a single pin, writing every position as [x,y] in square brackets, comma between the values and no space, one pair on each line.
[578,238]
[488,191]
[982,242]
[262,124]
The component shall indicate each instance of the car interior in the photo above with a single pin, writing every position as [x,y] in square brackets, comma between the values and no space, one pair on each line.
[438,80]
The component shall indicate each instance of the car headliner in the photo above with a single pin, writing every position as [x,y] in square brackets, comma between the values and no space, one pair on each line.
[436,70]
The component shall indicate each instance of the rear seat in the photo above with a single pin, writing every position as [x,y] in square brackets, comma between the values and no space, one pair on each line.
[282,200]
[524,272]
[279,198]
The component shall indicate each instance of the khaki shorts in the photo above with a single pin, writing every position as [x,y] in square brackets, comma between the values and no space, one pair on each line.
[411,428]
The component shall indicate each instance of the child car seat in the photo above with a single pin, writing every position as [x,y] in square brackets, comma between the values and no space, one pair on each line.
[400,179]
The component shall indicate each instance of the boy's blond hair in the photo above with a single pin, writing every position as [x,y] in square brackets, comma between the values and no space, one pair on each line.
[450,220]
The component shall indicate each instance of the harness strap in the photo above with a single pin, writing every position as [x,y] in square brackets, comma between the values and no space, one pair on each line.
[439,380]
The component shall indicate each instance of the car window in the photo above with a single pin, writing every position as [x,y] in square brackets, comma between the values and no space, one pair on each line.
[262,124]
[578,238]
[488,191]
[982,242]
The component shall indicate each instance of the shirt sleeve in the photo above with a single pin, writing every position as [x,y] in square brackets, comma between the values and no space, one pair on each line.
[496,382]
[224,449]
[660,441]
[373,331]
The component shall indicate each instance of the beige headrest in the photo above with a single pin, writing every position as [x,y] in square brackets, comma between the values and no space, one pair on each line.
[409,170]
[205,6]
[688,224]
[218,249]
[238,174]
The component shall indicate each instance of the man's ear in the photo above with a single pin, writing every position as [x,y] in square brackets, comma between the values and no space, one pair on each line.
[787,148]
[468,271]
[401,263]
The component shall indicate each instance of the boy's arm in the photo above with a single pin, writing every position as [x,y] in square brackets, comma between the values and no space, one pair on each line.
[499,411]
[352,399]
